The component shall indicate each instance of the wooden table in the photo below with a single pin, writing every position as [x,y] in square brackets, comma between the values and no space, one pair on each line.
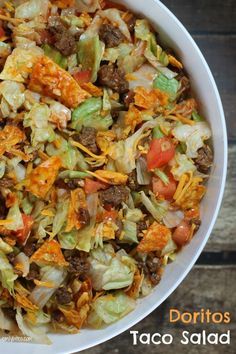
[212,283]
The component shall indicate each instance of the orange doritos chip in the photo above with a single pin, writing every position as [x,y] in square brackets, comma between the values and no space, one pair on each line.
[49,254]
[51,80]
[41,179]
[155,238]
[150,99]
[112,177]
[133,117]
[25,303]
[92,89]
[9,137]
[74,317]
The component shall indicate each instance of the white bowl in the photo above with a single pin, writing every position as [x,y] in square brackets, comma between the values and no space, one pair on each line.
[176,36]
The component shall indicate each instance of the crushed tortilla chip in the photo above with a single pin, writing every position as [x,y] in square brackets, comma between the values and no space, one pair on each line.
[150,99]
[155,238]
[112,177]
[133,117]
[41,179]
[104,140]
[49,254]
[51,80]
[9,137]
[24,302]
[92,89]
[134,290]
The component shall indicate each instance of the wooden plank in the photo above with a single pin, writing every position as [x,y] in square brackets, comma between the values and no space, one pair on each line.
[210,288]
[220,53]
[223,237]
[201,16]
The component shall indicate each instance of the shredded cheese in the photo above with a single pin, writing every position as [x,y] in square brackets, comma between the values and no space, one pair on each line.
[10,19]
[5,222]
[98,177]
[180,187]
[45,284]
[83,148]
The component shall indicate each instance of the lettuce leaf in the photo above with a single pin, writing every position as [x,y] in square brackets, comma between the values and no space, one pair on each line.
[15,216]
[37,119]
[156,208]
[13,92]
[169,86]
[61,216]
[110,308]
[124,151]
[7,275]
[110,270]
[40,294]
[90,52]
[193,136]
[88,114]
[182,165]
[68,240]
[32,8]
[130,232]
[142,30]
[55,55]
[37,333]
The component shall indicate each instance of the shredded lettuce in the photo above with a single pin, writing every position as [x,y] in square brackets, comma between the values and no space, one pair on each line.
[143,176]
[169,86]
[13,92]
[110,308]
[7,275]
[193,135]
[142,30]
[130,232]
[84,238]
[173,218]
[114,16]
[88,114]
[15,216]
[19,64]
[55,55]
[143,77]
[159,173]
[2,168]
[37,119]
[124,152]
[110,270]
[87,5]
[156,208]
[40,295]
[183,165]
[90,53]
[37,333]
[61,216]
[68,240]
[6,323]
[70,156]
[4,247]
[31,9]
[134,215]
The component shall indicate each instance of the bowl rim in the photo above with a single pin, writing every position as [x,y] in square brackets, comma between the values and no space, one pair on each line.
[217,208]
[104,338]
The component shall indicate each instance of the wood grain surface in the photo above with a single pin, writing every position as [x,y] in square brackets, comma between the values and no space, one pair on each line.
[213,26]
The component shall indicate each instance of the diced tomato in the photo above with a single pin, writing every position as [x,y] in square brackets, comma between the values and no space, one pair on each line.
[165,191]
[182,233]
[91,186]
[2,32]
[23,233]
[107,4]
[82,76]
[160,153]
